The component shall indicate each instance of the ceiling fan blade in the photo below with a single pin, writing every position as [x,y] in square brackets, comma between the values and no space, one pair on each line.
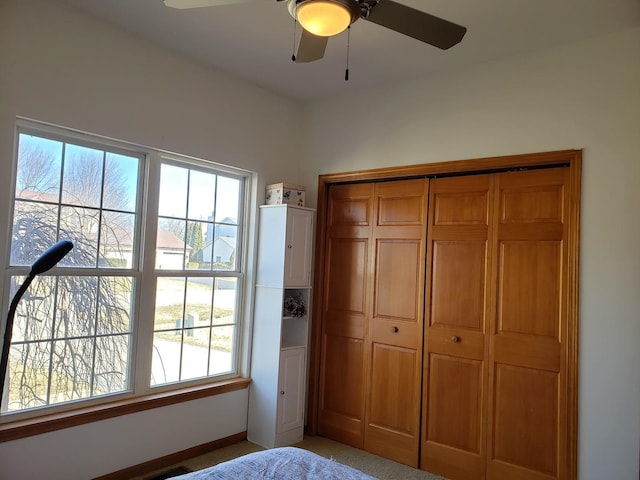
[311,47]
[417,24]
[184,4]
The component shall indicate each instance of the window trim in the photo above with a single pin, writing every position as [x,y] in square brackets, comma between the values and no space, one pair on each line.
[141,395]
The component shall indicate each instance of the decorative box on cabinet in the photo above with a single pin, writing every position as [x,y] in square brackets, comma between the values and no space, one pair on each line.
[280,326]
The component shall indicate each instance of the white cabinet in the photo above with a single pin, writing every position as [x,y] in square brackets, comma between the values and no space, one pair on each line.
[284,246]
[280,326]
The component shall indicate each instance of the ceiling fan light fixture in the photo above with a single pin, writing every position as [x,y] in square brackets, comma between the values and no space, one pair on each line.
[325,18]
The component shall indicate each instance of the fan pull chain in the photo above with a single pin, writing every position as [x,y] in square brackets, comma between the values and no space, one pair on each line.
[293,55]
[346,72]
[295,25]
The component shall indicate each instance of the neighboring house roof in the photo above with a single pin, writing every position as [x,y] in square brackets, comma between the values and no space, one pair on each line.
[164,240]
[168,241]
[231,241]
[117,236]
[35,195]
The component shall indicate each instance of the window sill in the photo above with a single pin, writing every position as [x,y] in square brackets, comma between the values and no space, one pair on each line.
[49,423]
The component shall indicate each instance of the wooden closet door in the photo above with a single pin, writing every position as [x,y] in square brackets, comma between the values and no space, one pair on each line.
[371,363]
[456,343]
[341,408]
[394,337]
[529,338]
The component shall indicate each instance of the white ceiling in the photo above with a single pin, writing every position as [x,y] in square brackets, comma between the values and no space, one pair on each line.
[255,40]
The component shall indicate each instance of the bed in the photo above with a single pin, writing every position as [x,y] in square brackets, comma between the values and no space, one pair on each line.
[286,463]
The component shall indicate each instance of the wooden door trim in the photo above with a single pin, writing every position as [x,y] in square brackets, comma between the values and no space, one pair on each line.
[571,158]
[487,164]
[573,314]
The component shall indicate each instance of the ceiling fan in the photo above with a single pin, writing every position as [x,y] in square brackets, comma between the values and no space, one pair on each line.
[321,19]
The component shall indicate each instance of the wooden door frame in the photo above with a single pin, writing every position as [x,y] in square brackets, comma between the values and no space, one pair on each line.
[570,158]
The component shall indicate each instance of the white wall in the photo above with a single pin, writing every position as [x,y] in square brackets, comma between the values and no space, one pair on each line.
[62,67]
[66,68]
[585,95]
[103,447]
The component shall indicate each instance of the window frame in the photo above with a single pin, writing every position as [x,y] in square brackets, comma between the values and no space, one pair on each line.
[147,308]
[143,271]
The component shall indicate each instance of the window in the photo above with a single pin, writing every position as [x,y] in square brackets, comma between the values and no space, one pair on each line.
[195,312]
[85,330]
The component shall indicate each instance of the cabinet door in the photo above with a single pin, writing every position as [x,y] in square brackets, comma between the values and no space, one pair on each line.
[291,389]
[297,263]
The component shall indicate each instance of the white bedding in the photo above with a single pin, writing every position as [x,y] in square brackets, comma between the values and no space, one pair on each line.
[286,463]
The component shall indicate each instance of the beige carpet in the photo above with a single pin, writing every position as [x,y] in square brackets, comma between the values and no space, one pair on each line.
[371,464]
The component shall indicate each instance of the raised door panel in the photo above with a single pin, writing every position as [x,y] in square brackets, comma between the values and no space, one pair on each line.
[393,343]
[345,314]
[527,362]
[456,346]
[530,304]
[350,206]
[455,390]
[291,391]
[526,400]
[297,267]
[453,205]
[346,289]
[393,412]
[458,289]
[341,390]
[398,273]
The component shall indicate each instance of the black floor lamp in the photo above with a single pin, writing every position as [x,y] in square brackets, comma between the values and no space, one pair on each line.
[46,261]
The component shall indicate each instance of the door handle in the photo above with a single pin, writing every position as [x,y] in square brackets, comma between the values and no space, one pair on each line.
[394,329]
[455,339]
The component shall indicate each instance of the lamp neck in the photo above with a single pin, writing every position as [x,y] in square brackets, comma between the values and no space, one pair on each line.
[8,333]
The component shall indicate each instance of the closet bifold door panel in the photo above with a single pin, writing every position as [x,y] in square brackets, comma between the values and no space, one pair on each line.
[456,326]
[345,313]
[371,341]
[394,341]
[528,385]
